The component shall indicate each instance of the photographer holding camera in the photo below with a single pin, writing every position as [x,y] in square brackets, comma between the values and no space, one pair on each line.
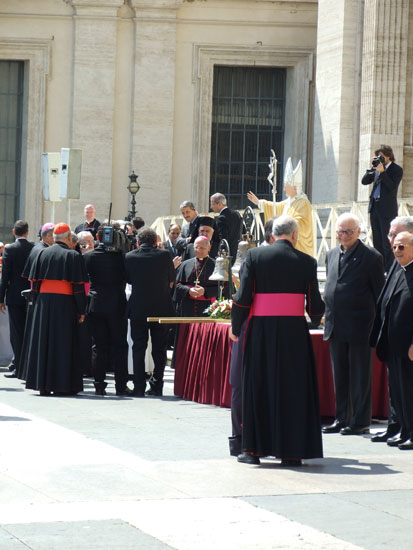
[385,175]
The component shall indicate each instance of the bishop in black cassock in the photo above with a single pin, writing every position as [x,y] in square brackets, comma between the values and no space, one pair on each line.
[194,292]
[281,415]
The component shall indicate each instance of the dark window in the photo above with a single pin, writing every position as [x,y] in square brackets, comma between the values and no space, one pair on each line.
[248,109]
[11,107]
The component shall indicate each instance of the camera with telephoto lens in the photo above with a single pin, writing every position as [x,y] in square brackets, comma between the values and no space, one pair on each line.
[378,160]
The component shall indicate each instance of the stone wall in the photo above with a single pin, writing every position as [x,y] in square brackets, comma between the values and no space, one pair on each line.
[130,83]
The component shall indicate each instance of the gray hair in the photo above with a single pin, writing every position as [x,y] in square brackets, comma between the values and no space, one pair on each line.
[410,236]
[284,225]
[348,216]
[64,236]
[43,234]
[188,204]
[405,221]
[82,234]
[218,198]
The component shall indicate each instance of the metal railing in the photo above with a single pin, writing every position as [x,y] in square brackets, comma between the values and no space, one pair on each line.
[324,222]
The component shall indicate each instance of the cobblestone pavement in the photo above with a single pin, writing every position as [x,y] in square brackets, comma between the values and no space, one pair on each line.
[92,472]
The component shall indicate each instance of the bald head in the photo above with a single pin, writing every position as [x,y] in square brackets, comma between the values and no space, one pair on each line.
[347,230]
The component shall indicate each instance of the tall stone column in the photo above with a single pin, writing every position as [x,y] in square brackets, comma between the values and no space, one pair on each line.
[337,100]
[383,90]
[123,115]
[407,190]
[153,116]
[94,69]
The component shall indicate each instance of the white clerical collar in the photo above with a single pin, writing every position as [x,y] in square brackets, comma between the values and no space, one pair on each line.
[404,266]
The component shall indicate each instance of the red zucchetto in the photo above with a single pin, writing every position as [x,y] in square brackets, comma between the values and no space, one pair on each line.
[60,228]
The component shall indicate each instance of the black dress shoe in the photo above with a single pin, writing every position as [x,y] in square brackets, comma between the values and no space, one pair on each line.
[44,392]
[380,437]
[334,428]
[11,375]
[297,462]
[248,458]
[355,430]
[396,440]
[154,392]
[100,391]
[125,392]
[406,445]
[234,445]
[137,393]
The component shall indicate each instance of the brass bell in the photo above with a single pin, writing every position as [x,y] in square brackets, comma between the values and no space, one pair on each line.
[220,273]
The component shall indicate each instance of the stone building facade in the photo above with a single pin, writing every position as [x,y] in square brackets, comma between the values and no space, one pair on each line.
[131,84]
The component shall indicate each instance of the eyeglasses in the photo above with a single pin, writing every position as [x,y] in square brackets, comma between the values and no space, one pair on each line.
[347,232]
[390,235]
[400,247]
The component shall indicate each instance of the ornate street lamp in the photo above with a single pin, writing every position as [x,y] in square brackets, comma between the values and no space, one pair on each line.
[133,188]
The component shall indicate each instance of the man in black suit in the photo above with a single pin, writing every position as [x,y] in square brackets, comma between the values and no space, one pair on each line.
[151,273]
[91,223]
[175,245]
[393,336]
[385,175]
[399,224]
[11,285]
[46,240]
[191,216]
[354,281]
[106,314]
[229,223]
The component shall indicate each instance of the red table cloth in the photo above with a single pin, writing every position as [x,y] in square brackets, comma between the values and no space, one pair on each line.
[202,360]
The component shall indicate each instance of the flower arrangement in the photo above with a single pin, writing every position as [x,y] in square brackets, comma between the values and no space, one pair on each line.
[220,309]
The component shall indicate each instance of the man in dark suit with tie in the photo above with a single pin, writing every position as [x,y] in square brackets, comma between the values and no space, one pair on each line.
[354,281]
[229,223]
[191,216]
[393,336]
[11,286]
[175,245]
[151,273]
[385,175]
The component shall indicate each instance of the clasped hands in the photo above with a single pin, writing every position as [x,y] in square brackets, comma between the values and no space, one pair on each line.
[197,291]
